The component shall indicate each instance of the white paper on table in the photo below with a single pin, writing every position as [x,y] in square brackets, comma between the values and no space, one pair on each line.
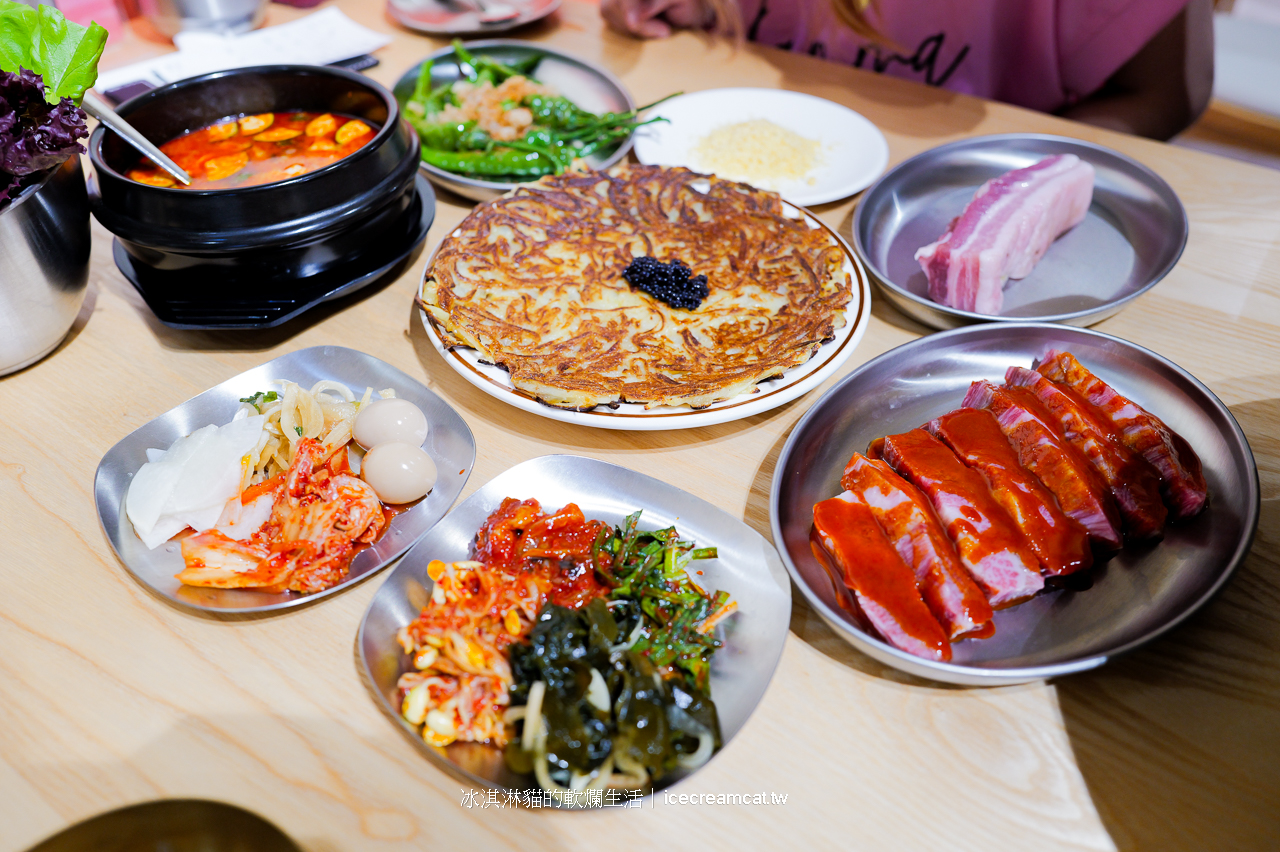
[1246,55]
[318,39]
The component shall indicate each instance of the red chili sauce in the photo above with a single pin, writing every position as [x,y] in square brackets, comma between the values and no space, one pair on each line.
[519,537]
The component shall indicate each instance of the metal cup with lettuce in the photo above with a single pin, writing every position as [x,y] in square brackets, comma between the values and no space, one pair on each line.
[47,63]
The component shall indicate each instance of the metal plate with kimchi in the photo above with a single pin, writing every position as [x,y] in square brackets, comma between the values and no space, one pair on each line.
[449,443]
[747,567]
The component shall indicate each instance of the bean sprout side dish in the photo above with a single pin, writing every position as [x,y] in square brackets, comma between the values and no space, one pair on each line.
[277,497]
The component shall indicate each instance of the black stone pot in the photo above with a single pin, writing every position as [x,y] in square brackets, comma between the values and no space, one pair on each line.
[319,231]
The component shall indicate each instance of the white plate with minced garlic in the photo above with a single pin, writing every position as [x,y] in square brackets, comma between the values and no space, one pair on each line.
[808,149]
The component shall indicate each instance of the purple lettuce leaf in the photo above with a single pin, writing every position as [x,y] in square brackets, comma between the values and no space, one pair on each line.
[34,134]
[9,186]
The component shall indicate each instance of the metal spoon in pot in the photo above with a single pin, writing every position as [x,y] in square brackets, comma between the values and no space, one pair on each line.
[99,109]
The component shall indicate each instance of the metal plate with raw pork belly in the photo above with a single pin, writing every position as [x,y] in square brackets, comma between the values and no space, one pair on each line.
[1132,236]
[747,567]
[1141,593]
[449,443]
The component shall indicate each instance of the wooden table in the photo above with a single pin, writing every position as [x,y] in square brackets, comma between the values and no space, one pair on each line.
[108,696]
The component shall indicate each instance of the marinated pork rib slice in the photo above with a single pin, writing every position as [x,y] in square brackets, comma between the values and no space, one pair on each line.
[1133,482]
[989,544]
[1060,543]
[908,520]
[1060,467]
[1181,477]
[1005,230]
[847,540]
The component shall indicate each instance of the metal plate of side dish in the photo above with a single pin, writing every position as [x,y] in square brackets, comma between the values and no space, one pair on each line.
[1140,594]
[449,17]
[588,85]
[449,443]
[1132,237]
[748,568]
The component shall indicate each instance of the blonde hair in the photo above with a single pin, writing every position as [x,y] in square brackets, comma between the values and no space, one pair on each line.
[728,17]
[853,13]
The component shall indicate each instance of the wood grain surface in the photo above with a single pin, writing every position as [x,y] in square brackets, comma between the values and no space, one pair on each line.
[110,696]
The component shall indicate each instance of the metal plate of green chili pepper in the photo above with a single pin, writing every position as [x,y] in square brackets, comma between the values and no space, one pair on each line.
[746,566]
[590,116]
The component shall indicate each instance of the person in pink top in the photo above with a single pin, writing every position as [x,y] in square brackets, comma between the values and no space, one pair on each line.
[1139,66]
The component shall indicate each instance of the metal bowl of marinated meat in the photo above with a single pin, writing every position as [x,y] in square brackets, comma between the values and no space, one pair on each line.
[1136,596]
[1130,239]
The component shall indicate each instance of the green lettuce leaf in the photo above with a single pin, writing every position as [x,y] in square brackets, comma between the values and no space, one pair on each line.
[63,53]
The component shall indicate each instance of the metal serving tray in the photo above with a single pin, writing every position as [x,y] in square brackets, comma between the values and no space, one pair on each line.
[586,84]
[1132,236]
[1137,596]
[449,443]
[748,568]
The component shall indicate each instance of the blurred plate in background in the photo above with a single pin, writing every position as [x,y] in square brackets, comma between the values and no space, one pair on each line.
[458,17]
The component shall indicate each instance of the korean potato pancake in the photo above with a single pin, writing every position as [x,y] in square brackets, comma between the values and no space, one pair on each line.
[534,282]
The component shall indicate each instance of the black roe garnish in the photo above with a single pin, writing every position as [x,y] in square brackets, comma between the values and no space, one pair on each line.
[673,282]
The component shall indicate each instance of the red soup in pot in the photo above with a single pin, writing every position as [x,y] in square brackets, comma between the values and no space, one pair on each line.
[257,149]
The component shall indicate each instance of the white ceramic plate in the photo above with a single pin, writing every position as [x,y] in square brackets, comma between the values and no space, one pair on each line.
[854,151]
[769,394]
[450,17]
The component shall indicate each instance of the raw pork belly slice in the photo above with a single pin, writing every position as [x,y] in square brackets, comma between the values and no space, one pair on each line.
[1061,544]
[1042,449]
[1182,480]
[846,533]
[990,545]
[1133,482]
[908,520]
[1005,230]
